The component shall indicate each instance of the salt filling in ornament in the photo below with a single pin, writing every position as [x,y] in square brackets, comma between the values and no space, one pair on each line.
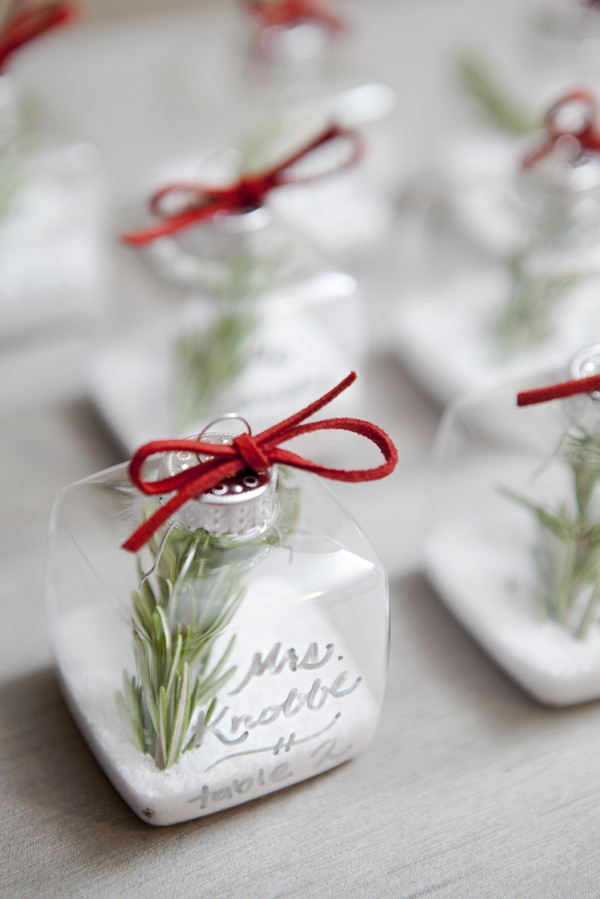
[514,543]
[236,643]
[536,302]
[266,326]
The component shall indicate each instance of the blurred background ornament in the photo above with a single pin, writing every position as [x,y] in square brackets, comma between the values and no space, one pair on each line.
[514,541]
[532,206]
[265,323]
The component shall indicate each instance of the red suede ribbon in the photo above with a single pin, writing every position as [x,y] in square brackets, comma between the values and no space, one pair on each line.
[558,391]
[203,203]
[586,134]
[30,22]
[287,13]
[257,452]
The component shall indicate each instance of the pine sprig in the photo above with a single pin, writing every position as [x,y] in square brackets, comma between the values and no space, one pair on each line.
[567,552]
[500,110]
[181,609]
[177,621]
[208,358]
[527,316]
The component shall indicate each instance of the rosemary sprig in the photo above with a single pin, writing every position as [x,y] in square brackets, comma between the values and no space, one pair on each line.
[567,552]
[182,607]
[207,359]
[502,111]
[526,317]
[179,611]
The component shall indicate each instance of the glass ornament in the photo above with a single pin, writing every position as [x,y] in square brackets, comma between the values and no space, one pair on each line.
[264,324]
[243,649]
[514,540]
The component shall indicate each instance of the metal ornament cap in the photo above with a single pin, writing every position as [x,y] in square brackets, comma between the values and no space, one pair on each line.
[583,409]
[241,506]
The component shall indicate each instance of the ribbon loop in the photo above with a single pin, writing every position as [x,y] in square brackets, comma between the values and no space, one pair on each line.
[257,452]
[287,13]
[199,203]
[582,105]
[579,104]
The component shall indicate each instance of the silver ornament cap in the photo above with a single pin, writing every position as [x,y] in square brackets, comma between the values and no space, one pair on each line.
[241,506]
[583,409]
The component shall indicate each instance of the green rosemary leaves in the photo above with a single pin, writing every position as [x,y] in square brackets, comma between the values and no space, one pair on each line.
[567,551]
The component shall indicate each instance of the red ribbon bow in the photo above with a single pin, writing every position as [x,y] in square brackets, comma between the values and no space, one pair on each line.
[256,452]
[32,21]
[586,134]
[205,202]
[558,391]
[287,13]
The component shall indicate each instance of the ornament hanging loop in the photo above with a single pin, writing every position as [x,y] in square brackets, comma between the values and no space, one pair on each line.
[228,416]
[572,117]
[575,114]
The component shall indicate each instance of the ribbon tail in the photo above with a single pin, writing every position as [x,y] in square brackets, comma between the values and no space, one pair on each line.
[532,158]
[277,174]
[142,534]
[558,391]
[174,224]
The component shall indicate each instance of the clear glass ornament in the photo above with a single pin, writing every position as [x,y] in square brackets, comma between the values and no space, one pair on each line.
[558,205]
[243,650]
[266,326]
[520,225]
[308,77]
[283,86]
[514,539]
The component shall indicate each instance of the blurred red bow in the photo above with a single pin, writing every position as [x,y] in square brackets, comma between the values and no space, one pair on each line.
[202,203]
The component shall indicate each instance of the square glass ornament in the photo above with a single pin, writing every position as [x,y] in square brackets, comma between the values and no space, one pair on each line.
[291,71]
[514,541]
[519,293]
[265,323]
[241,650]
